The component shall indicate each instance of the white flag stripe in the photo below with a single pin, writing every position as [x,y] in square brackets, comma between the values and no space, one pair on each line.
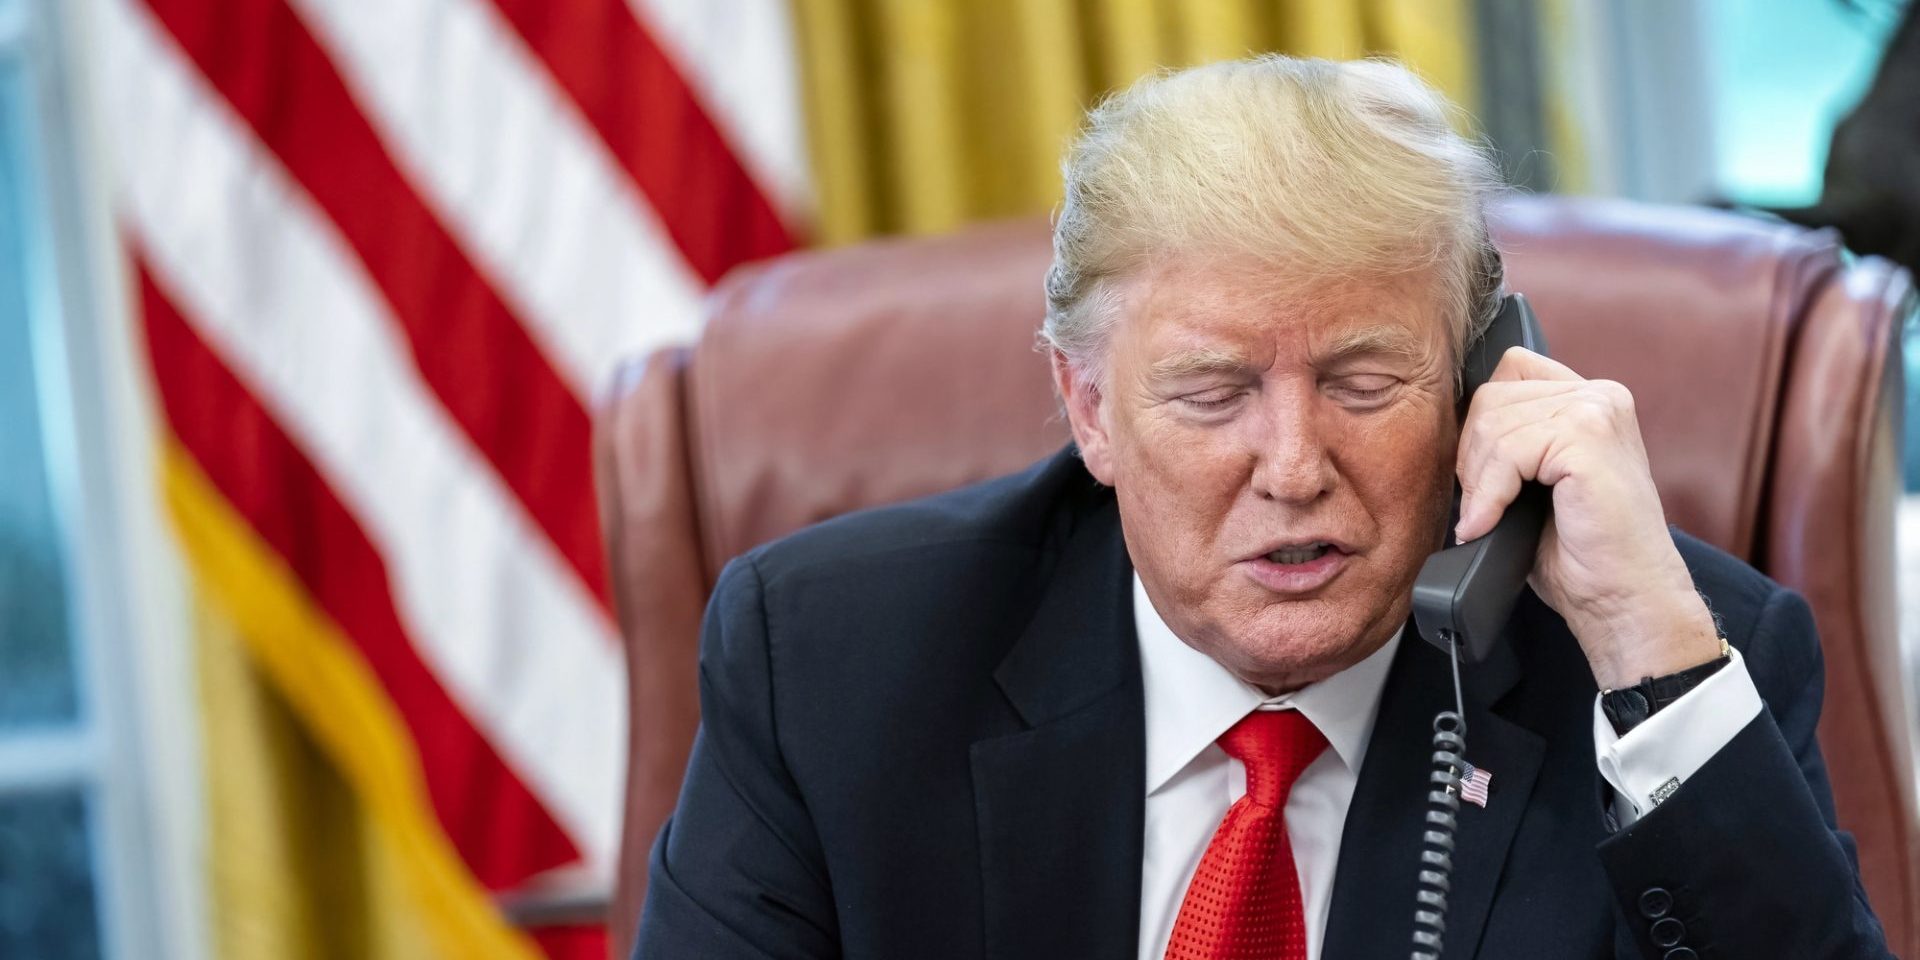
[737,56]
[505,158]
[266,280]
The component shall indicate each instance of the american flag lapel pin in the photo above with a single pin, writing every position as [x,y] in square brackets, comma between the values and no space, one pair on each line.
[1474,782]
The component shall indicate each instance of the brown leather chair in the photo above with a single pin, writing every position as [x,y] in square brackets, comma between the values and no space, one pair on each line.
[1762,362]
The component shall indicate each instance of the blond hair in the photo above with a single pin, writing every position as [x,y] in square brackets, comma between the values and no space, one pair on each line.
[1328,168]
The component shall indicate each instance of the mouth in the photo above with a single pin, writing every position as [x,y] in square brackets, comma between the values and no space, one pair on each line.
[1300,553]
[1297,569]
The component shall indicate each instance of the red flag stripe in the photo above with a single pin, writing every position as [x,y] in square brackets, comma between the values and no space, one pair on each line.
[497,825]
[648,116]
[469,347]
[579,942]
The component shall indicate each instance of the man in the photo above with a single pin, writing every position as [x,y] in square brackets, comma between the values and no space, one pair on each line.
[1158,695]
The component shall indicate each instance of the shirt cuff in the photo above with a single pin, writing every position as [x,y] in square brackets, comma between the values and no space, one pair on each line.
[1647,765]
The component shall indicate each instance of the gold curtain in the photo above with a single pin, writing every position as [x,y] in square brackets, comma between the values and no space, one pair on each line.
[926,114]
[297,870]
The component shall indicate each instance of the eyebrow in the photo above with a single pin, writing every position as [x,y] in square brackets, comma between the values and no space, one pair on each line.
[1386,341]
[1195,363]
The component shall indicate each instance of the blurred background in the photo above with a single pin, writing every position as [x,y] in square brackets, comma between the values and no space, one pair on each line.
[306,648]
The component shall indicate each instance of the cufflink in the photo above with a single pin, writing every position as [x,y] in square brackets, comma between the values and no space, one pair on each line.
[1663,791]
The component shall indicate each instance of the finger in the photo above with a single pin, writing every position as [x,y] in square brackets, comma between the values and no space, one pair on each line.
[1490,485]
[1519,363]
[1517,404]
[1506,393]
[1593,418]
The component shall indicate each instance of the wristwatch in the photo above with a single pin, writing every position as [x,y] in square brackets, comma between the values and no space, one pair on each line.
[1628,707]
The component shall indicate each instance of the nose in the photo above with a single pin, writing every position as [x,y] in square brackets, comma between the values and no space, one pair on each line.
[1292,463]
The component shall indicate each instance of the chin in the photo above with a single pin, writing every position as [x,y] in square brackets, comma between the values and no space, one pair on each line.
[1297,642]
[1300,642]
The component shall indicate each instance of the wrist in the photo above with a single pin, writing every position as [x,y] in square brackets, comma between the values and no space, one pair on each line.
[1657,638]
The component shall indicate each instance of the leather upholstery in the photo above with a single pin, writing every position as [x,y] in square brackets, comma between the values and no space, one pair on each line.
[1761,362]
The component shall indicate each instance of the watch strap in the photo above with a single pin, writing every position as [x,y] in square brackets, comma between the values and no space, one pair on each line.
[1628,707]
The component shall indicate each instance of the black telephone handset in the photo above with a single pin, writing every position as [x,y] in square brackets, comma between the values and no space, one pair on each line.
[1461,601]
[1464,594]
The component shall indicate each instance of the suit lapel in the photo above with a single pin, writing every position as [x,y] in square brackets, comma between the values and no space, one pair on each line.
[1061,804]
[1377,877]
[1512,754]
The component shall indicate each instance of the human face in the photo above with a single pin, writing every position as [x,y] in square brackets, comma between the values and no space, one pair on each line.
[1282,450]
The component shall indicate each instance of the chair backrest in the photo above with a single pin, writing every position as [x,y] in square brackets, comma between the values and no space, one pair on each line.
[1760,359]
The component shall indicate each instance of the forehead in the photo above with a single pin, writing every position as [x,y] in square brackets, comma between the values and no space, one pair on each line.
[1229,307]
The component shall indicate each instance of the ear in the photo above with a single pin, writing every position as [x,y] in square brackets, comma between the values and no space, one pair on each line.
[1086,415]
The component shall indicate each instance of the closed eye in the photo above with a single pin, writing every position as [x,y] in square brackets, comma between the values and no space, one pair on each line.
[1364,390]
[1211,400]
[1359,394]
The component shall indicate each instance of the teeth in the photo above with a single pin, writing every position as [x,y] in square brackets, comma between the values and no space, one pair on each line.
[1292,555]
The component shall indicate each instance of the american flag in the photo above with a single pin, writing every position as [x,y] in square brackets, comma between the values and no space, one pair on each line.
[381,254]
[1473,784]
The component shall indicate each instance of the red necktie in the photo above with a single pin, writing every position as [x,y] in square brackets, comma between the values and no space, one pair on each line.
[1244,901]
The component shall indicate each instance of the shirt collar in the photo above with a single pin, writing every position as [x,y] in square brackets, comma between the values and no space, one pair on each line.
[1191,699]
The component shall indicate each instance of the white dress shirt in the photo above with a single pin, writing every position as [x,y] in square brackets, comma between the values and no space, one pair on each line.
[1191,700]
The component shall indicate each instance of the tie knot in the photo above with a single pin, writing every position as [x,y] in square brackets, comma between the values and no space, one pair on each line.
[1275,746]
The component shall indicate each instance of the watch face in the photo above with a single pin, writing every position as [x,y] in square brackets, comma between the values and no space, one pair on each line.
[1625,709]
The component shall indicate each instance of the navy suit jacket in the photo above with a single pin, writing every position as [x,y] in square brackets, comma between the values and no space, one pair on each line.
[922,738]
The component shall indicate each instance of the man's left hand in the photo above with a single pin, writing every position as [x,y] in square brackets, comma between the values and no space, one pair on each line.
[1606,562]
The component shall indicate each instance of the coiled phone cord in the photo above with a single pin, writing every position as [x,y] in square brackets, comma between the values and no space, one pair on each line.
[1443,808]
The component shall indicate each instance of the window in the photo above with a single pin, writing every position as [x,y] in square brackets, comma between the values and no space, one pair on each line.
[48,903]
[1781,75]
[82,850]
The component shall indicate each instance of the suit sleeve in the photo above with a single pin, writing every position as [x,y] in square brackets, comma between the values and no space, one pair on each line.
[737,872]
[1744,859]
